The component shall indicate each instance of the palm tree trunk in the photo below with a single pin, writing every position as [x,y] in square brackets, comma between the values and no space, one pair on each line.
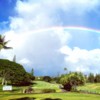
[3,81]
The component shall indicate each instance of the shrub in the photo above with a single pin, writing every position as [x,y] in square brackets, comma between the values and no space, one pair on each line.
[47,78]
[48,91]
[29,90]
[71,80]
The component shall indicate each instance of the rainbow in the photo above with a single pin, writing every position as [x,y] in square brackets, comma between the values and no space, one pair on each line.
[66,27]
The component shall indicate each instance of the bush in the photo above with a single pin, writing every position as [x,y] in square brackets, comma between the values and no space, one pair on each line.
[56,79]
[30,76]
[29,90]
[48,91]
[47,78]
[72,80]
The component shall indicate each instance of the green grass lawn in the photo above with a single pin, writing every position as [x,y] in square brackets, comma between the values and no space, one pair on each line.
[37,86]
[92,87]
[46,85]
[40,85]
[51,96]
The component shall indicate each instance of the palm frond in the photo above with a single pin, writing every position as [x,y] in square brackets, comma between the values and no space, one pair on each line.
[6,42]
[3,38]
[3,43]
[5,47]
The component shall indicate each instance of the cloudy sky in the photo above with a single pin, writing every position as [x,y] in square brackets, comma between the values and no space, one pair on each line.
[49,35]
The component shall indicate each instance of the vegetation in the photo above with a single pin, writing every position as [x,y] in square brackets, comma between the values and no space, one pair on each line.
[47,78]
[9,71]
[90,88]
[41,85]
[32,72]
[3,43]
[48,91]
[14,58]
[50,96]
[71,80]
[44,87]
[93,78]
[97,78]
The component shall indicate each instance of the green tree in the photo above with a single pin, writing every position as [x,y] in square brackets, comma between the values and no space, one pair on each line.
[71,80]
[3,43]
[47,78]
[32,72]
[97,78]
[31,76]
[6,75]
[91,78]
[13,72]
[14,58]
[65,70]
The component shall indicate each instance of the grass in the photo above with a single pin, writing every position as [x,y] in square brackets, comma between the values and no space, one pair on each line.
[40,85]
[51,96]
[45,85]
[37,86]
[92,87]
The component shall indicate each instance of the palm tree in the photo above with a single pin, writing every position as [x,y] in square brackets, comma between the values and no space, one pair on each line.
[3,43]
[6,74]
[14,58]
[65,69]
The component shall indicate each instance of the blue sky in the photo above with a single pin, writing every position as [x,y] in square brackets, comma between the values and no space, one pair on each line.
[6,9]
[48,35]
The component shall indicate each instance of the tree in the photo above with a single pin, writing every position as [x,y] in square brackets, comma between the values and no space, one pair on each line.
[31,76]
[13,72]
[65,69]
[32,72]
[6,75]
[91,78]
[3,43]
[14,58]
[47,78]
[97,78]
[71,80]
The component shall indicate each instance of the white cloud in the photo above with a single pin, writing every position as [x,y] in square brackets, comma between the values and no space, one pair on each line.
[32,15]
[66,50]
[63,35]
[78,6]
[81,59]
[37,49]
[41,14]
[24,61]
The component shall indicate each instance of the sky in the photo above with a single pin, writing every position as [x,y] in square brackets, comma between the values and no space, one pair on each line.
[50,35]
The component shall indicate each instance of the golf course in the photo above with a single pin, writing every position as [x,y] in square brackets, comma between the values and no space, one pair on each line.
[38,93]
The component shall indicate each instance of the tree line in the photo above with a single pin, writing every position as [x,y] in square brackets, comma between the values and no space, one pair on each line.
[93,78]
